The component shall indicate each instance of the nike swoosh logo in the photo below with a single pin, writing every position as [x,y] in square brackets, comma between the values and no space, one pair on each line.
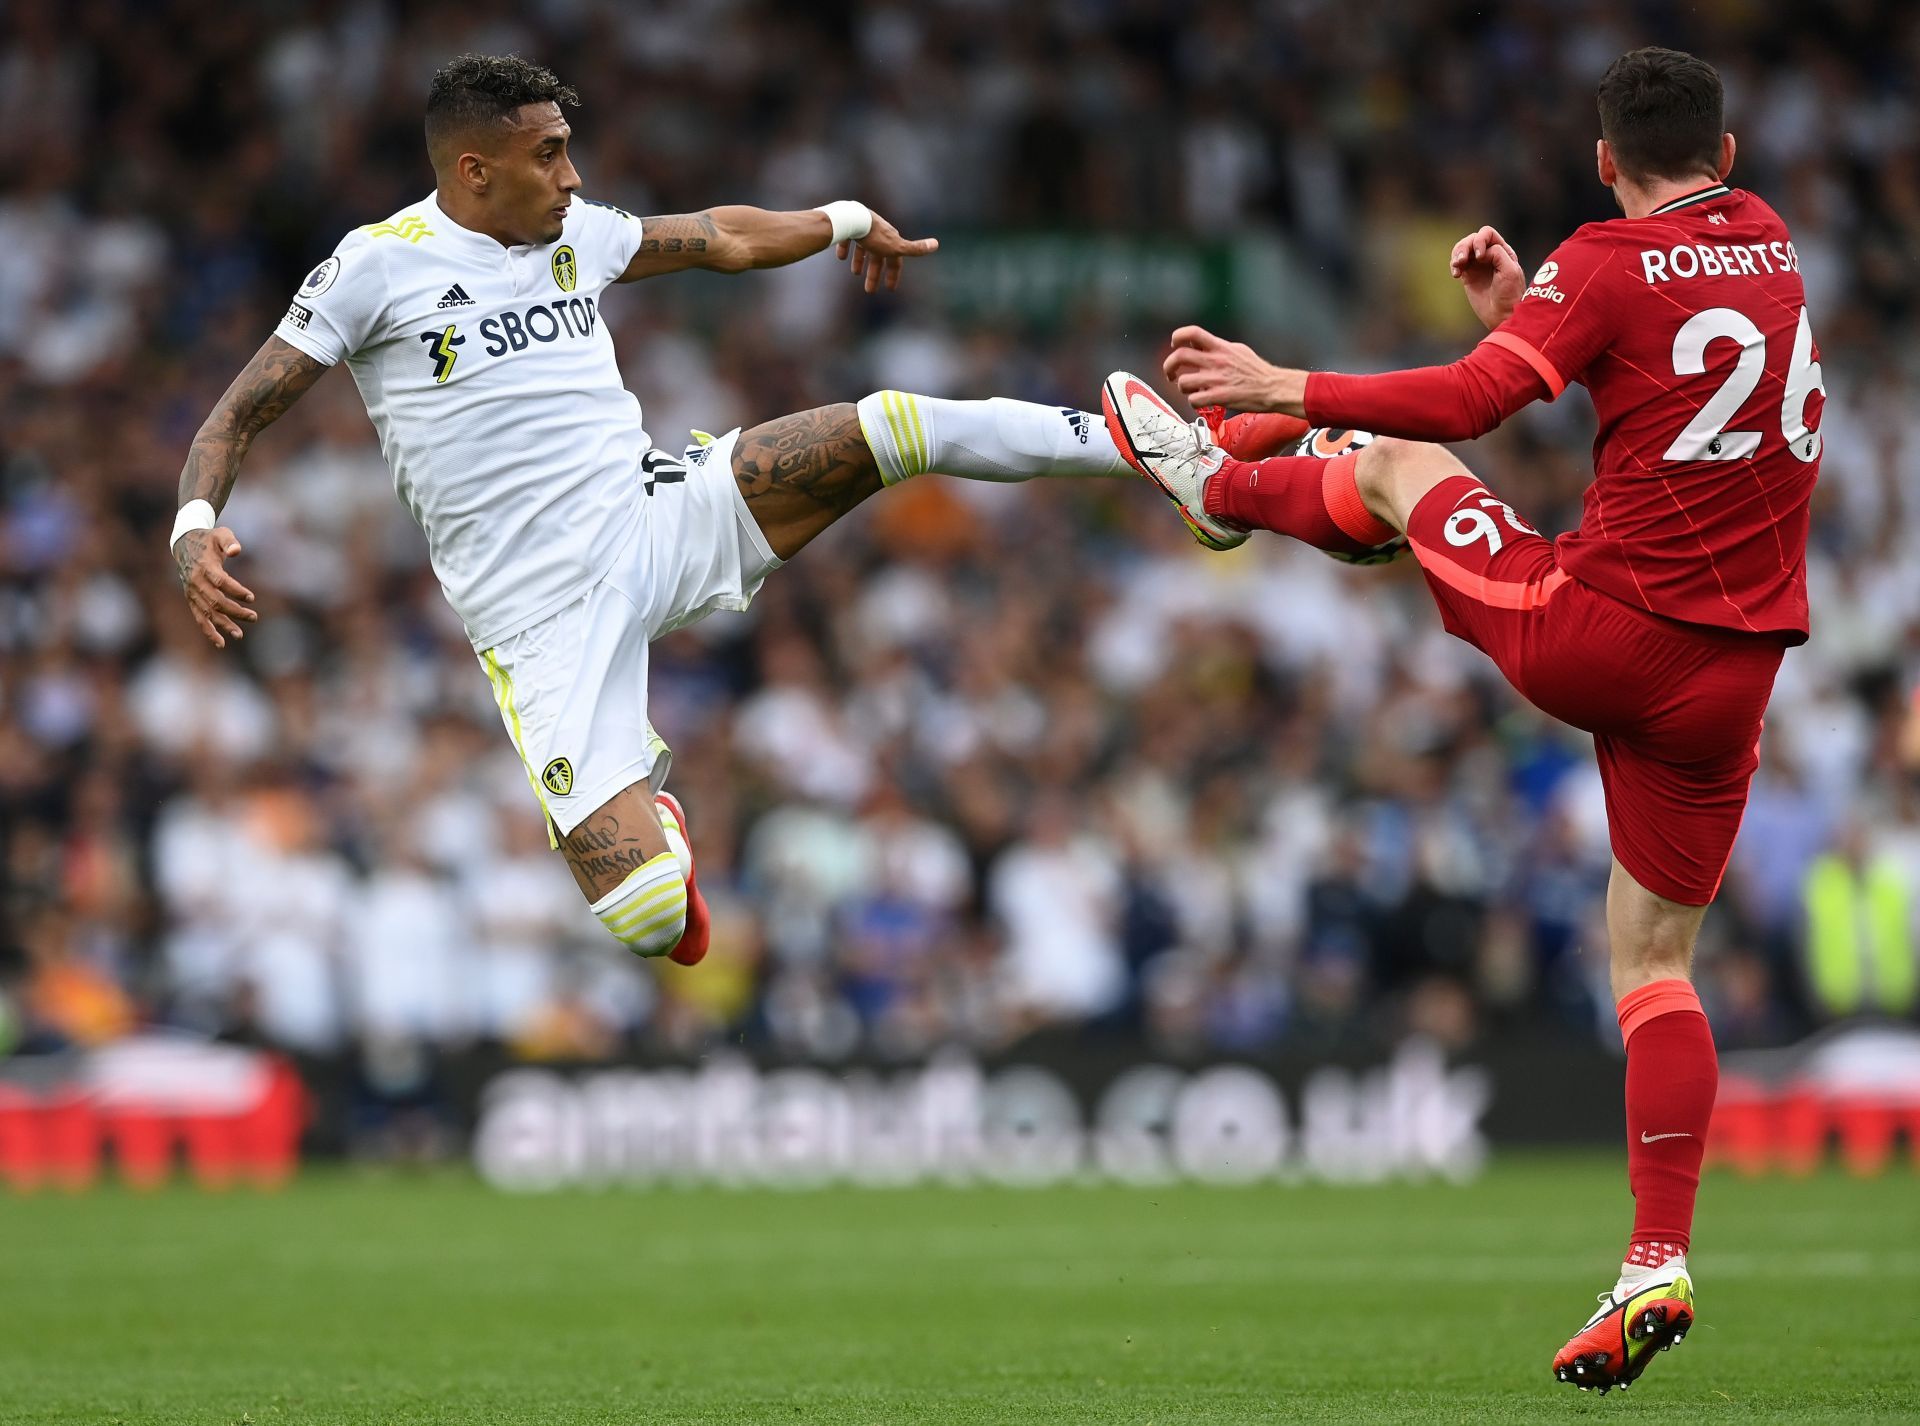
[1647,1138]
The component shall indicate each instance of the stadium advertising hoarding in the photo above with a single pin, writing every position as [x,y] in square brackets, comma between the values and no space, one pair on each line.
[1028,1122]
[145,1106]
[1061,1111]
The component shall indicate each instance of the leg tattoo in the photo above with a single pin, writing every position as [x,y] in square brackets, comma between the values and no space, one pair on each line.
[801,473]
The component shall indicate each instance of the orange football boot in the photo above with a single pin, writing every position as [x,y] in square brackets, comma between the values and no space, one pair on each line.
[1648,1311]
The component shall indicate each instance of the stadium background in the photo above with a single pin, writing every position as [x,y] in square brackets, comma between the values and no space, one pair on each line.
[986,763]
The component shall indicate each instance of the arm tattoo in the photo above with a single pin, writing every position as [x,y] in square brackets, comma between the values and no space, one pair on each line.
[276,378]
[681,232]
[804,467]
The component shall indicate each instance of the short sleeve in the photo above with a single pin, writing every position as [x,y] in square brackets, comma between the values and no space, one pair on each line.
[338,308]
[1565,318]
[608,238]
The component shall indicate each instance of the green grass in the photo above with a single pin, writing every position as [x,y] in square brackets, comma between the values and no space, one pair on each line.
[379,1299]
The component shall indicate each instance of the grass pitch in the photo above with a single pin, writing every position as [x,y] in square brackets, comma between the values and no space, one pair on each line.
[357,1299]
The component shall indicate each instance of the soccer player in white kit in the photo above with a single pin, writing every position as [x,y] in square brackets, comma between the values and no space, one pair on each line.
[561,535]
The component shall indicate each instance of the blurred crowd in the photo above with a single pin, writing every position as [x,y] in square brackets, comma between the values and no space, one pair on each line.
[985,758]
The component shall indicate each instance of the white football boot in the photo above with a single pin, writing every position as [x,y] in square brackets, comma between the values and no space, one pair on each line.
[1176,455]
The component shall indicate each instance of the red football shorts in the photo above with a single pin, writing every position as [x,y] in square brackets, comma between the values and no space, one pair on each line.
[1674,709]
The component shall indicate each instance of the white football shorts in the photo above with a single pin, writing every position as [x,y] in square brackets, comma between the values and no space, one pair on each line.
[572,689]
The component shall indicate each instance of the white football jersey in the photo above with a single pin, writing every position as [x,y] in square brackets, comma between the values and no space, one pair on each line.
[491,380]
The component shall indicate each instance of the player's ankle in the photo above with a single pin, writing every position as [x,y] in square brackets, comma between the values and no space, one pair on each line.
[1646,1254]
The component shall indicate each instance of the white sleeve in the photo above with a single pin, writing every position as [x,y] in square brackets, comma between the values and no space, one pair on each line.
[610,237]
[340,306]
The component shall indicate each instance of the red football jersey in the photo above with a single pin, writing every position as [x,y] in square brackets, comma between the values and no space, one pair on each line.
[1689,328]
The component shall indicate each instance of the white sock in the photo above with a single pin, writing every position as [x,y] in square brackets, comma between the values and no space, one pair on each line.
[998,440]
[648,911]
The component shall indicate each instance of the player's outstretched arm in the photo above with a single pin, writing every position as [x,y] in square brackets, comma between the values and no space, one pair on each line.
[262,393]
[1457,402]
[741,239]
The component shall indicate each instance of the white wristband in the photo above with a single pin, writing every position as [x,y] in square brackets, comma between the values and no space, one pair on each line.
[851,221]
[194,515]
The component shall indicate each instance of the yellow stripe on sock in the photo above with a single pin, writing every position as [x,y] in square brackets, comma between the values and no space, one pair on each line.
[919,436]
[645,910]
[903,403]
[672,916]
[643,872]
[903,451]
[647,871]
[658,929]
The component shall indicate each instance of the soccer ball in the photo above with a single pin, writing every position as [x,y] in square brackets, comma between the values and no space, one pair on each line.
[1326,443]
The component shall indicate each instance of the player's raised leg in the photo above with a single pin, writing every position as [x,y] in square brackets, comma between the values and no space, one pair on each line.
[800,473]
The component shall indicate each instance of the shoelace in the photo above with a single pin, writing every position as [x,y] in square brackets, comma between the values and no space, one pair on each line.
[1202,436]
[1167,431]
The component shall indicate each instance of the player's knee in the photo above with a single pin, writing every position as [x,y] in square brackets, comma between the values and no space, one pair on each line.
[1392,474]
[647,913]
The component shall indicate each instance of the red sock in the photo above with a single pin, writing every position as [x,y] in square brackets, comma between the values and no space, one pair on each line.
[1313,500]
[1672,1074]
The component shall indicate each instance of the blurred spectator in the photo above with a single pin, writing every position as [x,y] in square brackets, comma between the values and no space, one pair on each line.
[1860,941]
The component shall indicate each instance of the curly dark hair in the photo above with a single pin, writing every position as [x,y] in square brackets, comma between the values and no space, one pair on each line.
[476,90]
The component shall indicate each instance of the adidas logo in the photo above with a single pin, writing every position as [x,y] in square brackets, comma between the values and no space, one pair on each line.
[456,297]
[1079,421]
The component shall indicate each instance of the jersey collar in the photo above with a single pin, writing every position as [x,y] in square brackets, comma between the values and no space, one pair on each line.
[1703,195]
[478,242]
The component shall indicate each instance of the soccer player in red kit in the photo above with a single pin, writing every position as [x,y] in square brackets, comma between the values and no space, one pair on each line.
[1657,626]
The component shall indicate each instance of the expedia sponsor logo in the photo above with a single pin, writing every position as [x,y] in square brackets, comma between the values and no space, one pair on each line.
[1550,294]
[566,271]
[557,777]
[298,316]
[1548,271]
[564,317]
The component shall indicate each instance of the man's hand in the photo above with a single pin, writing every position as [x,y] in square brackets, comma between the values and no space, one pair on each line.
[1211,371]
[879,255]
[1485,264]
[220,603]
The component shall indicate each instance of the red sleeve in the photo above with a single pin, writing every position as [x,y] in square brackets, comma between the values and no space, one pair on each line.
[1431,403]
[1561,325]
